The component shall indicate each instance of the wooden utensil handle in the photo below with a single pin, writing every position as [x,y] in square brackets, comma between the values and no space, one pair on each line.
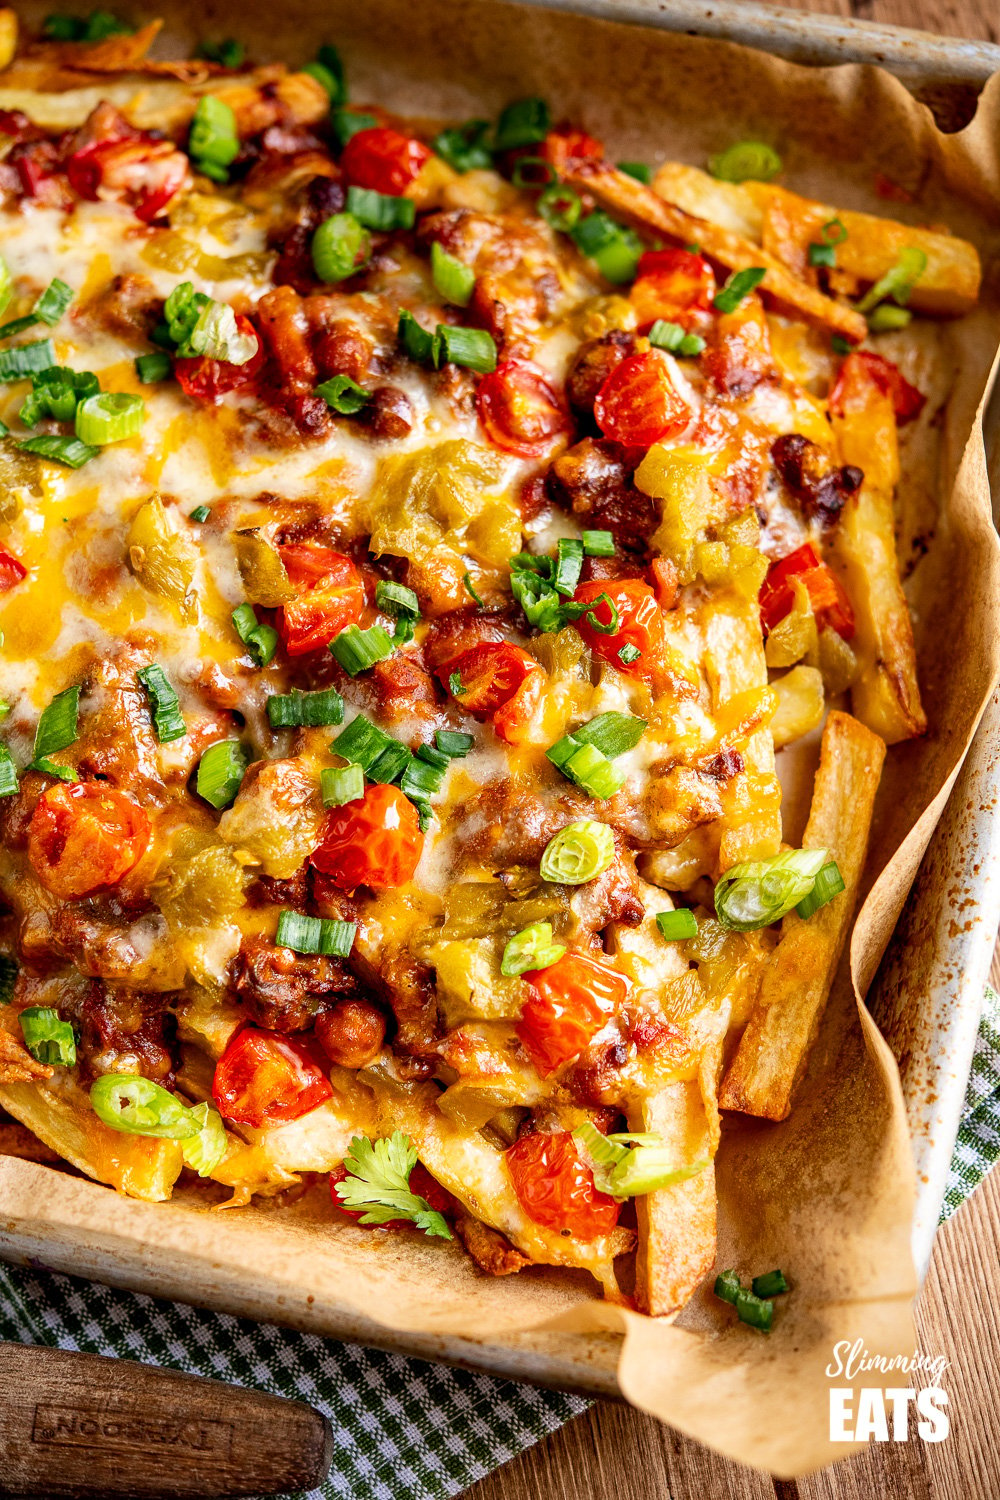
[82,1425]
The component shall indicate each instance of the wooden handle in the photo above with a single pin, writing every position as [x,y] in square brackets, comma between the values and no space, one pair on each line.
[82,1425]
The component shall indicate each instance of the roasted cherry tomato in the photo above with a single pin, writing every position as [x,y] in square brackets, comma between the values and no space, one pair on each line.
[519,410]
[555,1187]
[11,572]
[860,372]
[143,172]
[332,595]
[383,159]
[85,837]
[830,604]
[421,1183]
[561,146]
[671,284]
[640,623]
[375,842]
[639,404]
[209,379]
[569,1003]
[513,720]
[264,1078]
[490,674]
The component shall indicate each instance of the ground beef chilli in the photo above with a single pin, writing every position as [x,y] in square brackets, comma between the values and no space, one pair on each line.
[416,561]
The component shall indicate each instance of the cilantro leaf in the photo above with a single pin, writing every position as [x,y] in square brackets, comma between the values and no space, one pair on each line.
[379,1182]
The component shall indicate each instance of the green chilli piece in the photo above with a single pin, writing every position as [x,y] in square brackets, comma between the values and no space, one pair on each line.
[137,1106]
[738,286]
[677,925]
[167,718]
[110,417]
[221,771]
[452,277]
[339,785]
[746,161]
[315,934]
[48,1038]
[260,640]
[758,892]
[204,1150]
[531,949]
[214,141]
[340,247]
[579,852]
[898,281]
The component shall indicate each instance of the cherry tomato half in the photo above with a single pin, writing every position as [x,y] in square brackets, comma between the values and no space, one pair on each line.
[491,674]
[519,410]
[671,284]
[264,1078]
[85,837]
[421,1183]
[569,1003]
[640,623]
[562,146]
[860,373]
[209,379]
[383,159]
[830,604]
[555,1187]
[332,595]
[638,404]
[375,842]
[11,572]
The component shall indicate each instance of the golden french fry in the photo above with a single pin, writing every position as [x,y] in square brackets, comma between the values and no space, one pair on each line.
[775,1045]
[696,192]
[634,201]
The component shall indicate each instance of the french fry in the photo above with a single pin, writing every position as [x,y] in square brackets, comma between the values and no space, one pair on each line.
[633,201]
[774,1047]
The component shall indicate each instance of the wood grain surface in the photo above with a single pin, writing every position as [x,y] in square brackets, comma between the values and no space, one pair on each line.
[616,1453]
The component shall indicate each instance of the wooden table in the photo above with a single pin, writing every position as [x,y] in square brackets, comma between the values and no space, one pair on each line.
[616,1453]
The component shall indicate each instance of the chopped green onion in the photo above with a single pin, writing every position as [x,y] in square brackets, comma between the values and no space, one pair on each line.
[53,302]
[471,347]
[384,211]
[343,395]
[167,718]
[228,53]
[362,742]
[727,1284]
[180,312]
[560,207]
[296,710]
[533,172]
[391,764]
[203,1151]
[217,335]
[824,252]
[452,278]
[17,325]
[397,600]
[455,684]
[340,247]
[57,727]
[329,58]
[326,80]
[637,169]
[340,784]
[464,147]
[592,771]
[531,948]
[416,341]
[738,286]
[612,733]
[523,123]
[62,773]
[671,336]
[137,1106]
[9,970]
[746,161]
[754,1311]
[898,281]
[100,24]
[598,544]
[569,562]
[633,1163]
[771,1284]
[315,934]
[8,773]
[346,123]
[453,743]
[614,249]
[110,417]
[26,359]
[579,852]
[887,317]
[49,1039]
[829,883]
[840,345]
[214,139]
[153,367]
[221,771]
[628,654]
[6,286]
[261,641]
[357,649]
[421,778]
[200,513]
[677,925]
[614,624]
[471,589]
[758,892]
[59,28]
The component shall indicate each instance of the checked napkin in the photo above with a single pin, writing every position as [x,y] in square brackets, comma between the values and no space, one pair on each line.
[402,1427]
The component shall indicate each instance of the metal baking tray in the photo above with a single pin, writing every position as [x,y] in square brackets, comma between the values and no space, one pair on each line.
[925,995]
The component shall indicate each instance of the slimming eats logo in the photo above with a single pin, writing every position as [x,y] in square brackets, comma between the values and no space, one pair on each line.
[883,1413]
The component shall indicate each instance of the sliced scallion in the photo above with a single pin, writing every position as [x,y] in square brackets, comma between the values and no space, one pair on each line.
[138,1106]
[8,773]
[464,147]
[677,925]
[315,934]
[473,348]
[296,710]
[579,852]
[746,161]
[560,207]
[383,211]
[340,247]
[738,286]
[452,278]
[898,281]
[48,1038]
[200,513]
[228,53]
[346,123]
[260,640]
[771,1284]
[598,544]
[26,359]
[57,727]
[397,600]
[569,562]
[110,417]
[522,123]
[756,893]
[629,653]
[357,649]
[341,784]
[343,395]
[221,771]
[533,172]
[453,743]
[531,949]
[671,336]
[829,883]
[9,970]
[362,742]
[391,763]
[415,339]
[151,368]
[214,139]
[167,718]
[637,169]
[470,589]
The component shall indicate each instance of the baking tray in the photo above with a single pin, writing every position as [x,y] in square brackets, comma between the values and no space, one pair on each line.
[924,996]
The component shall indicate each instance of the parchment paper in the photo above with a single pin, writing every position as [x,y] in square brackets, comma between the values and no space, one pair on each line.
[827,1195]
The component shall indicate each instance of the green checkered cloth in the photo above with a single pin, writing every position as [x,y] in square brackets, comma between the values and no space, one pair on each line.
[402,1427]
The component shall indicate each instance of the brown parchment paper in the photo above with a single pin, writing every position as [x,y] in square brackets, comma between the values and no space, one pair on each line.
[827,1195]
